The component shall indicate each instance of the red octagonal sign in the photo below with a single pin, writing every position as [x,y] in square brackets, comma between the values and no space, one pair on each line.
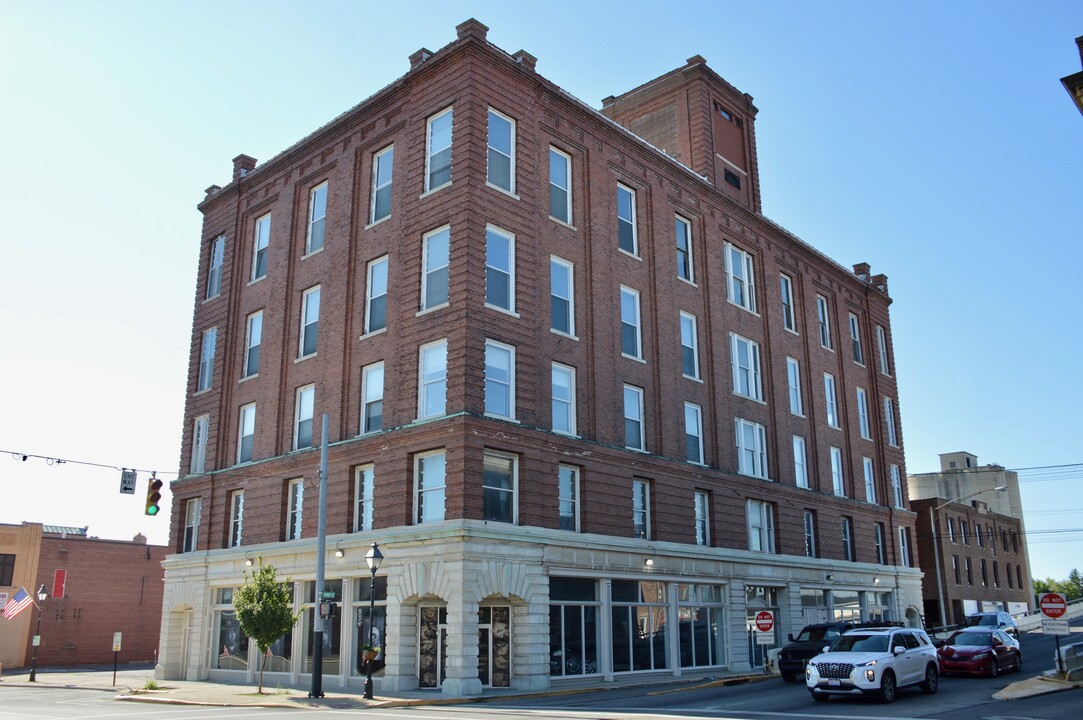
[764,621]
[1053,605]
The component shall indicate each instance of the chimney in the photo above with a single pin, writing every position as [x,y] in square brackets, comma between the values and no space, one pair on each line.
[212,190]
[880,282]
[525,59]
[472,29]
[419,57]
[140,539]
[862,270]
[242,165]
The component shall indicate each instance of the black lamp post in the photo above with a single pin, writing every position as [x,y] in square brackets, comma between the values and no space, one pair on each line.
[42,594]
[373,558]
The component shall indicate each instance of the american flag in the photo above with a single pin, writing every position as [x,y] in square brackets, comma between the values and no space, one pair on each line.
[19,601]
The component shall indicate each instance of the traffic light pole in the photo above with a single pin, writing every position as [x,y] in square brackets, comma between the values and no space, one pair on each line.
[321,548]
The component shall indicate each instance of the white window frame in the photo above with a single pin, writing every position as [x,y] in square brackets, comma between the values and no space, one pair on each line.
[430,151]
[848,539]
[429,270]
[637,407]
[490,150]
[191,525]
[641,508]
[436,382]
[800,462]
[553,152]
[789,312]
[881,341]
[951,531]
[313,208]
[513,490]
[236,518]
[693,427]
[904,550]
[752,460]
[857,350]
[563,498]
[246,412]
[207,347]
[499,349]
[261,243]
[831,401]
[823,319]
[570,268]
[881,550]
[568,402]
[838,477]
[634,252]
[372,391]
[201,426]
[380,183]
[870,479]
[253,338]
[740,287]
[214,267]
[364,487]
[863,414]
[702,505]
[746,376]
[809,524]
[295,505]
[304,410]
[687,252]
[310,319]
[889,417]
[509,272]
[897,490]
[793,383]
[690,341]
[760,517]
[372,294]
[637,325]
[420,491]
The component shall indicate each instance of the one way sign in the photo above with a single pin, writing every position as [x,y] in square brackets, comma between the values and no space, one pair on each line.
[127,482]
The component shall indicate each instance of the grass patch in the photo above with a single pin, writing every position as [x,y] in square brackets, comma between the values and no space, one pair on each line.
[152,685]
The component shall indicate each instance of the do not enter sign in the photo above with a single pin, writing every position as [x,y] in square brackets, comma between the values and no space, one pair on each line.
[765,621]
[1053,605]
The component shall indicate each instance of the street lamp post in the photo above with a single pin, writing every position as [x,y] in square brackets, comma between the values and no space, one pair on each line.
[936,545]
[373,558]
[42,595]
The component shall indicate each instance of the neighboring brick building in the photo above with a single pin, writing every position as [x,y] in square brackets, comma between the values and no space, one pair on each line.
[1074,83]
[96,588]
[568,367]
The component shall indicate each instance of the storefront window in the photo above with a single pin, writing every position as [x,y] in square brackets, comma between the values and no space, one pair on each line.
[701,624]
[573,626]
[640,626]
[757,599]
[373,634]
[879,604]
[332,629]
[847,605]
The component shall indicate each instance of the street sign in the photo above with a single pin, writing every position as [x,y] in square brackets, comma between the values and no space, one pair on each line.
[765,638]
[765,621]
[36,642]
[329,594]
[127,482]
[116,642]
[1055,627]
[1053,605]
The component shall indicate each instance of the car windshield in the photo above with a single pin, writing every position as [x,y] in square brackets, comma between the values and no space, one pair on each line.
[860,643]
[970,638]
[974,620]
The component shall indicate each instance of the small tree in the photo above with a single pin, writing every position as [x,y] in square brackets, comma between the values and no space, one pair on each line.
[263,610]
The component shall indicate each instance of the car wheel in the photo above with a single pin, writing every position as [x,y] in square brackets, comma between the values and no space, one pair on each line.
[1019,662]
[994,668]
[819,697]
[932,681]
[789,677]
[887,688]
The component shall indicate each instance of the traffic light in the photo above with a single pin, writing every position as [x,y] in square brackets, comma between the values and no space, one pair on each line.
[154,494]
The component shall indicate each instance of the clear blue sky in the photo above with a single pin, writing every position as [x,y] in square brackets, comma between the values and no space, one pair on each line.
[933,140]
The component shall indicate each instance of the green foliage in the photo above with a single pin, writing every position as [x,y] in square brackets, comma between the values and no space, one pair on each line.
[152,685]
[1072,588]
[263,610]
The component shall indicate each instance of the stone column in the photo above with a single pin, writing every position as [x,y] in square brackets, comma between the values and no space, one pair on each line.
[461,678]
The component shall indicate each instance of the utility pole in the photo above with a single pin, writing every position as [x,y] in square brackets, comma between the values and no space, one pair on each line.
[321,547]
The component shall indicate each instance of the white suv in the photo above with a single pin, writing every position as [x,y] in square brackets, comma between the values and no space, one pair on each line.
[874,661]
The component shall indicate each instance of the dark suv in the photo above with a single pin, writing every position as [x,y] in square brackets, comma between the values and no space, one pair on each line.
[810,642]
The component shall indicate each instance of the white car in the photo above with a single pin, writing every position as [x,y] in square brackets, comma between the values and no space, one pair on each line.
[874,661]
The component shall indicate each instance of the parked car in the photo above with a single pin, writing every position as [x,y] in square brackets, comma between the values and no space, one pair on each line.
[998,620]
[874,662]
[979,651]
[810,642]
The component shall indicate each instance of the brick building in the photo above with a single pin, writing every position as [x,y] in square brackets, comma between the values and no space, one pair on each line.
[96,587]
[595,408]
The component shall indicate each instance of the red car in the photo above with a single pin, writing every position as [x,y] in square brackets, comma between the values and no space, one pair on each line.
[978,651]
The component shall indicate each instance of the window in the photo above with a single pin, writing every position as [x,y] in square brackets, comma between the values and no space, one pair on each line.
[260,243]
[793,379]
[498,487]
[434,278]
[7,569]
[383,167]
[703,518]
[965,527]
[996,574]
[430,469]
[246,435]
[317,218]
[372,398]
[191,525]
[310,321]
[955,569]
[751,449]
[824,321]
[499,380]
[1019,576]
[761,526]
[870,480]
[633,418]
[206,360]
[630,342]
[560,186]
[881,551]
[896,486]
[501,151]
[626,220]
[889,417]
[693,433]
[295,494]
[838,482]
[364,487]
[302,429]
[969,571]
[253,338]
[563,382]
[689,346]
[855,340]
[432,380]
[863,414]
[438,151]
[832,404]
[376,296]
[978,535]
[236,517]
[499,269]
[745,358]
[200,430]
[904,551]
[568,482]
[684,250]
[1008,574]
[800,465]
[881,346]
[789,317]
[951,529]
[214,271]
[810,533]
[641,509]
[561,296]
[741,285]
[848,539]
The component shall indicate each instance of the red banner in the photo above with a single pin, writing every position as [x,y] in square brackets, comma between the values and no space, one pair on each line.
[60,579]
